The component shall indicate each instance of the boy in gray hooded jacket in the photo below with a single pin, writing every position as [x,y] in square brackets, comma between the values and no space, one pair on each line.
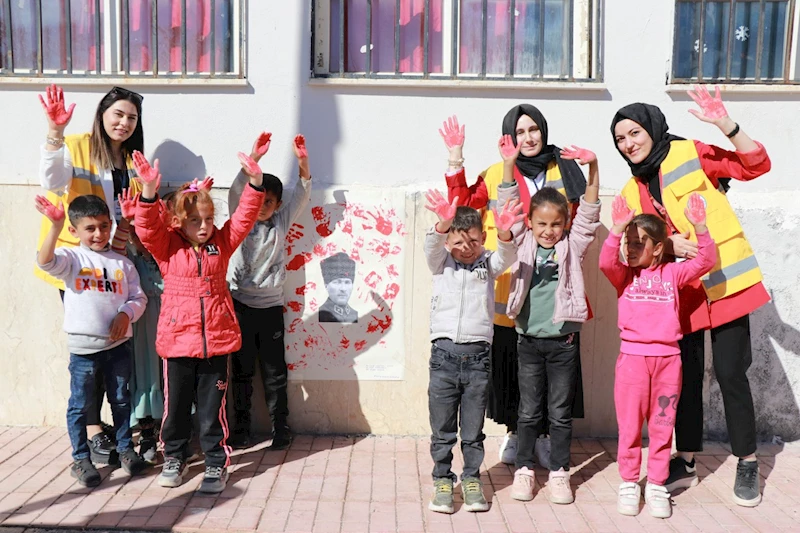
[462,311]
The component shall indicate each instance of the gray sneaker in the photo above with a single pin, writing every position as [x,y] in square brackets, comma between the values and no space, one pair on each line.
[214,480]
[442,500]
[745,490]
[172,473]
[474,501]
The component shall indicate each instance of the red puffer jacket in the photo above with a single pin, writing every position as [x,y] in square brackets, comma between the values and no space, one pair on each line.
[197,318]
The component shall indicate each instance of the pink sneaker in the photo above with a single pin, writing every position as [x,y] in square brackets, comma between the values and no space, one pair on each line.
[524,482]
[560,490]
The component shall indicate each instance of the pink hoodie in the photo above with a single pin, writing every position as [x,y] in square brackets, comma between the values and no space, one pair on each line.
[648,297]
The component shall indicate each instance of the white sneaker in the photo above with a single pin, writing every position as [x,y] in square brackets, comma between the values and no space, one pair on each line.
[657,499]
[542,451]
[560,489]
[524,483]
[508,450]
[630,494]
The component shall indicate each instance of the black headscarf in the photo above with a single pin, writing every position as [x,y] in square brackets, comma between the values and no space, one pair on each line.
[574,181]
[654,123]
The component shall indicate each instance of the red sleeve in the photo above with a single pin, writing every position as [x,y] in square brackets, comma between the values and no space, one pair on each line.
[244,218]
[743,166]
[475,196]
[151,230]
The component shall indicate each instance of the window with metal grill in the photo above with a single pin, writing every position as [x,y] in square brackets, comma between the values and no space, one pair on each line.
[735,41]
[121,38]
[506,40]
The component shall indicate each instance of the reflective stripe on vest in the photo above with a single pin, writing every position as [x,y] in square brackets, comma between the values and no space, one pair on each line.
[736,268]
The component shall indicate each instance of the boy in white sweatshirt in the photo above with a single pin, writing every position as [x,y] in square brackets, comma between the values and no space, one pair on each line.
[103,297]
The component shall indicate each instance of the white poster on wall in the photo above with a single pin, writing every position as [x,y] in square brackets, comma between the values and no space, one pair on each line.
[344,287]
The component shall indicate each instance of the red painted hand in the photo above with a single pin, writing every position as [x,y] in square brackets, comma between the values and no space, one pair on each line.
[206,184]
[696,210]
[262,143]
[299,145]
[508,151]
[581,155]
[57,114]
[127,203]
[146,173]
[510,214]
[250,167]
[452,133]
[621,214]
[712,108]
[53,213]
[439,205]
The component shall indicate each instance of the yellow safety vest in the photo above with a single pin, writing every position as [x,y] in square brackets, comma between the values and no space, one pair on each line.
[681,174]
[492,177]
[86,179]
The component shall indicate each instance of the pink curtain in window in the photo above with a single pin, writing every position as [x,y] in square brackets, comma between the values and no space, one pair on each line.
[497,34]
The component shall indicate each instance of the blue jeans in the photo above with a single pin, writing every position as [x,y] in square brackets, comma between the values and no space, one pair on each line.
[458,391]
[115,364]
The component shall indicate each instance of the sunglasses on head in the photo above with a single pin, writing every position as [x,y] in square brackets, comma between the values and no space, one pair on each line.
[126,92]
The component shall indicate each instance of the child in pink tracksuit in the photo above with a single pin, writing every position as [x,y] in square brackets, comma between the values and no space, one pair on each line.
[648,373]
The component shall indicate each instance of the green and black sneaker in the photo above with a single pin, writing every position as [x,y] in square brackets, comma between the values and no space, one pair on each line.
[442,500]
[474,501]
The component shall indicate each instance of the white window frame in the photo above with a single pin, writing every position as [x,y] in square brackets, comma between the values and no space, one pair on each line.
[790,82]
[112,69]
[587,47]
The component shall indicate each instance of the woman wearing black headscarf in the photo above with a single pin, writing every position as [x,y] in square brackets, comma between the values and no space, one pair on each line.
[666,170]
[538,165]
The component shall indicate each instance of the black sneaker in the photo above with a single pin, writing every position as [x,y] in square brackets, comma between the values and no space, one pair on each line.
[148,446]
[109,431]
[239,439]
[85,472]
[682,474]
[745,490]
[214,480]
[132,463]
[103,450]
[282,439]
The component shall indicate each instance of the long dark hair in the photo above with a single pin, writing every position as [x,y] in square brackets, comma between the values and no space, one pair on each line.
[656,230]
[100,143]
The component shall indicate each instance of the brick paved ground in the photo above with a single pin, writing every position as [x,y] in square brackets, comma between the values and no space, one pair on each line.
[372,484]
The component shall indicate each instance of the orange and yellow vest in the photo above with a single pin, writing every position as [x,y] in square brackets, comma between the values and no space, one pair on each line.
[681,175]
[86,179]
[492,177]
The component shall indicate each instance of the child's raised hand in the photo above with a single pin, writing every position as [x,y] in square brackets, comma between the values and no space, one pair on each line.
[510,214]
[119,326]
[54,214]
[261,146]
[58,116]
[127,203]
[439,205]
[452,133]
[206,184]
[299,146]
[621,214]
[696,210]
[149,175]
[581,155]
[712,108]
[250,167]
[508,151]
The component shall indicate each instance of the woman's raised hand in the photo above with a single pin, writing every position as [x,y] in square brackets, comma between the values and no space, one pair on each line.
[581,155]
[712,110]
[510,214]
[58,116]
[508,151]
[452,134]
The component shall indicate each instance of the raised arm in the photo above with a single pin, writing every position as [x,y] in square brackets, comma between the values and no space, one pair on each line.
[244,217]
[510,215]
[509,192]
[706,258]
[150,226]
[55,167]
[302,191]
[610,264]
[56,216]
[435,251]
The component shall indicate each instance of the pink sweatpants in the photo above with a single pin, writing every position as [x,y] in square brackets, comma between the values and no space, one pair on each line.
[646,388]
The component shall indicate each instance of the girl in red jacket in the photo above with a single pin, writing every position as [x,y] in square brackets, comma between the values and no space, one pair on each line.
[197,328]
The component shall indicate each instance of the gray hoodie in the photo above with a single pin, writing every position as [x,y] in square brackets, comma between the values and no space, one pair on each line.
[462,304]
[99,286]
[256,271]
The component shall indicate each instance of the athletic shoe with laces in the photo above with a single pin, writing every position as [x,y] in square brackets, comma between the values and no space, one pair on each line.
[682,474]
[172,472]
[745,490]
[214,480]
[442,499]
[474,500]
[657,499]
[132,463]
[84,471]
[630,494]
[508,449]
[102,450]
[523,486]
[560,489]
